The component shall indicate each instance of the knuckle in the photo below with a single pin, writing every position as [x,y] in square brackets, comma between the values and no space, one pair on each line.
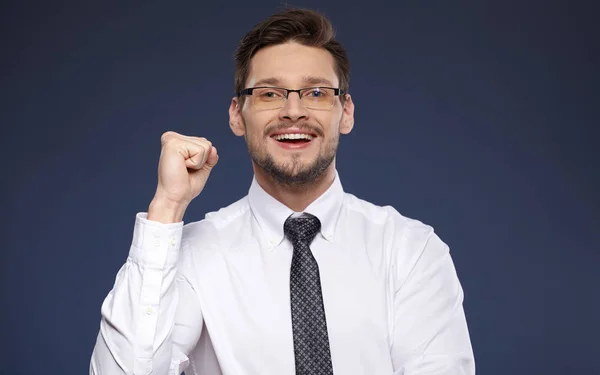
[166,136]
[201,140]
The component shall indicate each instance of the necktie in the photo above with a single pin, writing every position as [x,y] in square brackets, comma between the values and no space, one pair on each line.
[311,344]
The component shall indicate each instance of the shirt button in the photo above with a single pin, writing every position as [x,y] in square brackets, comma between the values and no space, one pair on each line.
[172,241]
[273,241]
[149,311]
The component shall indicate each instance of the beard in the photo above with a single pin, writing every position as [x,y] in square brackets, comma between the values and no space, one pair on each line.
[294,173]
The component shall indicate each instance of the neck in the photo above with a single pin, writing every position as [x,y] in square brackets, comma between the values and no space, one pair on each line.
[296,198]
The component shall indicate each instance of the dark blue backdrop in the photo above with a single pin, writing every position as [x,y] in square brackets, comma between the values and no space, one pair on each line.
[479,119]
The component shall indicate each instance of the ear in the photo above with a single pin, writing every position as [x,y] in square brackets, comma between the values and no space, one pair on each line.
[236,120]
[347,121]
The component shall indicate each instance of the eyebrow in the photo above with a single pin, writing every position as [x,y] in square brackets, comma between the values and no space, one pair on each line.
[312,80]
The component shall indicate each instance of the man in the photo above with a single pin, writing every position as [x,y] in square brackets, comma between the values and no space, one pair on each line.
[298,276]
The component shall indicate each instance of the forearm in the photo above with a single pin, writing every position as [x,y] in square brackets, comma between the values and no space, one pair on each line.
[139,312]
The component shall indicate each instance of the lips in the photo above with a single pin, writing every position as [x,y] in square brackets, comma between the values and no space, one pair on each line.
[293,131]
[293,144]
[294,138]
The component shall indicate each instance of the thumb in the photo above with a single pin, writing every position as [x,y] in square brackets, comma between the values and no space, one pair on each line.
[213,157]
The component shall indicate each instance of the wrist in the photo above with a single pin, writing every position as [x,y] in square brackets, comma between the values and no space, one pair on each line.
[165,211]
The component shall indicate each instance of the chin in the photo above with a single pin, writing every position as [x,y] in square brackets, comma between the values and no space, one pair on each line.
[295,172]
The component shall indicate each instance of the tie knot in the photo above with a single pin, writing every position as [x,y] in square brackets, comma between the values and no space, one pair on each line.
[303,228]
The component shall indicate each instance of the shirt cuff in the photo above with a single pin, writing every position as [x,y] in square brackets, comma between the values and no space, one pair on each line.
[154,244]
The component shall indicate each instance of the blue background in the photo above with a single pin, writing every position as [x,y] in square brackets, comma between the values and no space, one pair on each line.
[478,118]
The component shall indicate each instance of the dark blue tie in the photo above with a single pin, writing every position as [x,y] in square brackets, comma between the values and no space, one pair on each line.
[311,343]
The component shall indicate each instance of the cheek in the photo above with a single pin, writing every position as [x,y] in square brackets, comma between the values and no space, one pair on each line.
[255,136]
[250,128]
[256,123]
[332,119]
[332,131]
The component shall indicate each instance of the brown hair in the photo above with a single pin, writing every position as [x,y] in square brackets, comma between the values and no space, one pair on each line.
[303,26]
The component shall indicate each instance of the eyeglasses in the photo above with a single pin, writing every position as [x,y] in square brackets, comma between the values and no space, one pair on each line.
[275,97]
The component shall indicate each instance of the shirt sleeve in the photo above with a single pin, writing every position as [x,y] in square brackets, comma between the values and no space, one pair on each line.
[430,334]
[151,319]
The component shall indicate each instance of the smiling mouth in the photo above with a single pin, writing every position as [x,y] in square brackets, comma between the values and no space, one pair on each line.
[293,138]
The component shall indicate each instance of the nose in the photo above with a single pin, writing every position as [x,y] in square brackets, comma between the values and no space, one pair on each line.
[293,109]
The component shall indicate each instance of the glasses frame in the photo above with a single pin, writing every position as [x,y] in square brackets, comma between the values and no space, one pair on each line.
[248,91]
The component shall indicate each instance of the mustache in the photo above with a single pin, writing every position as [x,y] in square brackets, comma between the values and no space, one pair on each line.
[302,126]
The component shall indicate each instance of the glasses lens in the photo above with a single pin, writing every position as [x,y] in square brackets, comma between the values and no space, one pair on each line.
[314,97]
[318,97]
[267,98]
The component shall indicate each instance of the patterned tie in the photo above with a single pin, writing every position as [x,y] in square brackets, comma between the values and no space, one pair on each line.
[311,344]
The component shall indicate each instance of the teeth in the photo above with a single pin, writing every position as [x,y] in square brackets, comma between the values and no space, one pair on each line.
[293,136]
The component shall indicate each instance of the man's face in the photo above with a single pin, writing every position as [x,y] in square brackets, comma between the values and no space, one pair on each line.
[293,162]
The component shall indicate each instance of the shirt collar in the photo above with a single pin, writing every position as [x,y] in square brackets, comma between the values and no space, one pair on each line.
[271,214]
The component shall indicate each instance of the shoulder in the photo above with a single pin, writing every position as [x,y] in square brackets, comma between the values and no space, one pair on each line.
[411,246]
[387,215]
[404,238]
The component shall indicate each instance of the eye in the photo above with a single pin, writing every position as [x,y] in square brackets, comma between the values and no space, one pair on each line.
[314,93]
[270,94]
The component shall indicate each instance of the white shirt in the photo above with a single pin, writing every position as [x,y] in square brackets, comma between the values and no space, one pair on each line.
[213,296]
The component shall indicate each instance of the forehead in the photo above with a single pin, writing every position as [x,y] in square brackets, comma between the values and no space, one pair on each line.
[292,65]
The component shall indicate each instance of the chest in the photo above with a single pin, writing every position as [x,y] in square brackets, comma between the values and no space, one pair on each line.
[245,300]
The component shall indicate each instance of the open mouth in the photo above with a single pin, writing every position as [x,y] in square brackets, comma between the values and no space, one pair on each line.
[291,139]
